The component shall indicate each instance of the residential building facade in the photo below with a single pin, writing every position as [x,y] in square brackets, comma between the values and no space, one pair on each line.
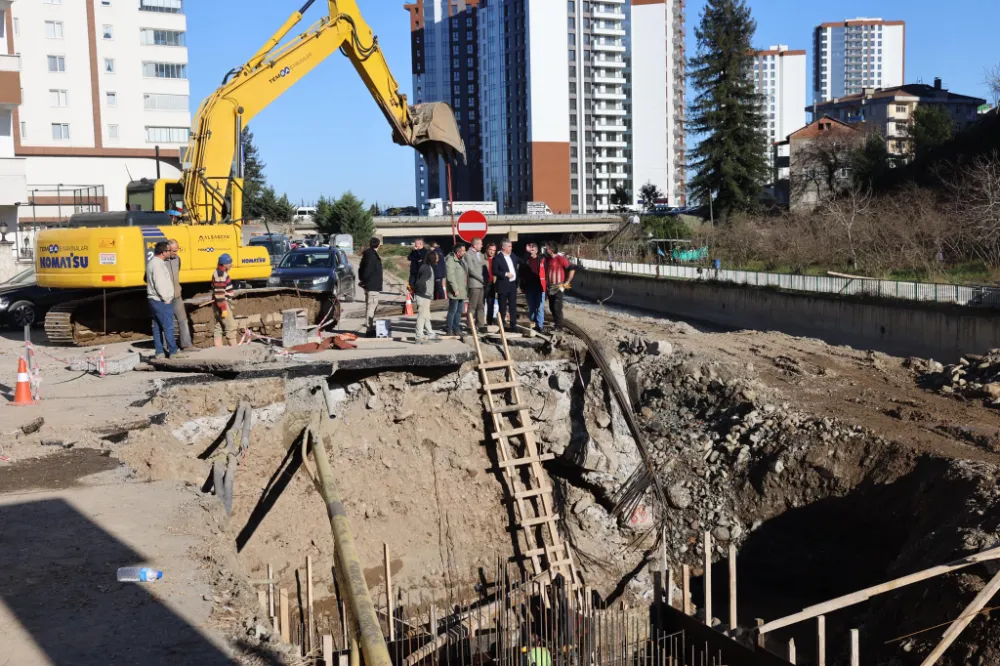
[855,54]
[890,110]
[13,184]
[820,160]
[445,53]
[105,82]
[566,113]
[779,75]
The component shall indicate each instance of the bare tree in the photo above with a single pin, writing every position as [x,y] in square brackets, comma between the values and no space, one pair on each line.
[848,211]
[992,81]
[821,166]
[975,206]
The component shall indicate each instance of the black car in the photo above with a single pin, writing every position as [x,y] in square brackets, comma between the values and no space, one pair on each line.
[23,302]
[317,269]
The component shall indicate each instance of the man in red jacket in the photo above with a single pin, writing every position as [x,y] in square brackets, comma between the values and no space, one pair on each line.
[560,273]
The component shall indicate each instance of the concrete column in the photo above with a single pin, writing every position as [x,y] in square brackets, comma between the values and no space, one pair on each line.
[8,262]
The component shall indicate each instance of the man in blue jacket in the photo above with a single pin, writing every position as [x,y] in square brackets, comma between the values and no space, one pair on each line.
[505,271]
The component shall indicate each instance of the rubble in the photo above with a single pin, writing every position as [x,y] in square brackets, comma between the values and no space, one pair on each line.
[974,376]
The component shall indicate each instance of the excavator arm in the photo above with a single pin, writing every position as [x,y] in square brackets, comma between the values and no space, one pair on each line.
[212,174]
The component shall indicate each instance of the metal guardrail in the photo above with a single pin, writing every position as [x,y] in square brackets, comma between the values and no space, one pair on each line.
[981,296]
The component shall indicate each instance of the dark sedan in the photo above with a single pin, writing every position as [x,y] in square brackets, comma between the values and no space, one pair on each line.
[317,269]
[24,303]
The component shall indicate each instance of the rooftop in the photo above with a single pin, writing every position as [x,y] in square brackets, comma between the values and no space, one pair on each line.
[919,90]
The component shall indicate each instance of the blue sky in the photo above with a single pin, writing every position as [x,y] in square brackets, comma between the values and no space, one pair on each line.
[326,135]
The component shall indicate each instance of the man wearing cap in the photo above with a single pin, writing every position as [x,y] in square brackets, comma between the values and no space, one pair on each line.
[222,292]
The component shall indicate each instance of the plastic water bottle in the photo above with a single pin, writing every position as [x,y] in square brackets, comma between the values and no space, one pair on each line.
[138,574]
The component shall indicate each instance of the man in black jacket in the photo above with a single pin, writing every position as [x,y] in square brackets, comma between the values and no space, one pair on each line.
[370,279]
[416,258]
[505,272]
[440,271]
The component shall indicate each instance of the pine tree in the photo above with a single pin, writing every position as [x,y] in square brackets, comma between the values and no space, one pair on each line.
[649,193]
[324,211]
[349,216]
[620,198]
[253,177]
[730,162]
[931,127]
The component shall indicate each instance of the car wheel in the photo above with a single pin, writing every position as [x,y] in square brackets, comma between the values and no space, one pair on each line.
[22,314]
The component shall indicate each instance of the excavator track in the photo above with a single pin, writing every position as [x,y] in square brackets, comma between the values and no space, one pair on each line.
[122,316]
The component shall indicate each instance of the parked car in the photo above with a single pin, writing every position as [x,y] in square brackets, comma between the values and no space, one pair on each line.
[277,245]
[24,303]
[318,269]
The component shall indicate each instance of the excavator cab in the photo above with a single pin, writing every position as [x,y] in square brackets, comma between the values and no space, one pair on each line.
[155,195]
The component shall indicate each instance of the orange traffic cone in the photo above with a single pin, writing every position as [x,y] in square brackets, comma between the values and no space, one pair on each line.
[408,308]
[22,394]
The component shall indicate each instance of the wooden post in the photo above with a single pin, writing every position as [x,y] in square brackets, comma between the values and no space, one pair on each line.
[855,648]
[283,621]
[821,640]
[658,597]
[761,638]
[669,574]
[310,617]
[388,592]
[732,588]
[262,600]
[686,590]
[328,650]
[270,593]
[792,656]
[968,615]
[708,579]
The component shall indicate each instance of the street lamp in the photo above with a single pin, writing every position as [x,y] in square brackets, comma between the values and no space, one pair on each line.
[3,231]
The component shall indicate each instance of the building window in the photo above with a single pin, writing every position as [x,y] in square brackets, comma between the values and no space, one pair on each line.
[24,129]
[54,29]
[111,98]
[113,132]
[57,63]
[105,3]
[162,6]
[60,131]
[572,55]
[108,31]
[571,23]
[572,39]
[167,134]
[571,6]
[109,65]
[58,98]
[152,37]
[161,102]
[164,70]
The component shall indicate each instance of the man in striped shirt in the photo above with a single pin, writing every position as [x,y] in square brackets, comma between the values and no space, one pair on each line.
[222,292]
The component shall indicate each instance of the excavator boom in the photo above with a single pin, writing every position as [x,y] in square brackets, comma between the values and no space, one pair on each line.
[209,181]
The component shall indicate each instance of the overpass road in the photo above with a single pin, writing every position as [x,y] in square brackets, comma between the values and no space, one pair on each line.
[391,229]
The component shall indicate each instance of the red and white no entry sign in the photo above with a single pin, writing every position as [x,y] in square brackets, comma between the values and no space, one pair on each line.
[472,225]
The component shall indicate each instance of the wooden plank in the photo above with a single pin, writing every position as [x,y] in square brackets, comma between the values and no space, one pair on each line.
[544,551]
[534,492]
[507,409]
[855,648]
[500,386]
[707,579]
[388,592]
[496,365]
[821,640]
[516,462]
[270,592]
[761,638]
[262,600]
[970,613]
[328,653]
[732,587]
[283,617]
[310,603]
[792,654]
[531,522]
[867,593]
[515,431]
[686,589]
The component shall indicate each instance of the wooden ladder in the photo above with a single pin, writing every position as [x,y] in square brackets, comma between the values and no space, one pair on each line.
[528,484]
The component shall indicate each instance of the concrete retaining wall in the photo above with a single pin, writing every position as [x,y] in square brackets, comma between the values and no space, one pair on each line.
[941,332]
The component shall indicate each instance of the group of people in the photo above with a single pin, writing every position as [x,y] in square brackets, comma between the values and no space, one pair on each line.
[166,302]
[489,281]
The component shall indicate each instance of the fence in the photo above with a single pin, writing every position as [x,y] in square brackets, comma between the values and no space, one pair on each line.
[966,295]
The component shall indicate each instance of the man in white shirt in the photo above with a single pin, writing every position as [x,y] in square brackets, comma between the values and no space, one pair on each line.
[159,295]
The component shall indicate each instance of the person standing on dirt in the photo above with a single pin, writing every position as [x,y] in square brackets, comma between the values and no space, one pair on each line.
[490,290]
[159,295]
[475,265]
[440,271]
[533,284]
[180,314]
[423,294]
[559,274]
[458,288]
[505,268]
[416,259]
[370,279]
[222,293]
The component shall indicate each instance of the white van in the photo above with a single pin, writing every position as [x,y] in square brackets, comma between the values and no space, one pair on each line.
[304,215]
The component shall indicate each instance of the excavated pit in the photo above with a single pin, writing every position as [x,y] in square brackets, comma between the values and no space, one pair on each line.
[815,507]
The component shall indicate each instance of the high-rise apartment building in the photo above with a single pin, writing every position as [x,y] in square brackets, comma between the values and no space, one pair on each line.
[445,52]
[779,76]
[856,54]
[104,83]
[576,98]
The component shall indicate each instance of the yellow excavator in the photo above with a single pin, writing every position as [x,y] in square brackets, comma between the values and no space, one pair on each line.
[107,252]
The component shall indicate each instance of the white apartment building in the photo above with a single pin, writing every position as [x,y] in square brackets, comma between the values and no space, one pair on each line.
[856,54]
[13,188]
[779,76]
[105,83]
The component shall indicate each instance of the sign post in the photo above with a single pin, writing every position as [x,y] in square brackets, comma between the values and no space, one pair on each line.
[472,225]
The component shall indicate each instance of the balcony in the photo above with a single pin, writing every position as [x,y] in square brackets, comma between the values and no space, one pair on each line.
[610,127]
[10,81]
[609,32]
[610,80]
[608,63]
[13,182]
[618,175]
[607,15]
[608,111]
[611,96]
[602,190]
[609,159]
[607,47]
[602,143]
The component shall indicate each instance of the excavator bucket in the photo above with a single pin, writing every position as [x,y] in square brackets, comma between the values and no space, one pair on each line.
[435,131]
